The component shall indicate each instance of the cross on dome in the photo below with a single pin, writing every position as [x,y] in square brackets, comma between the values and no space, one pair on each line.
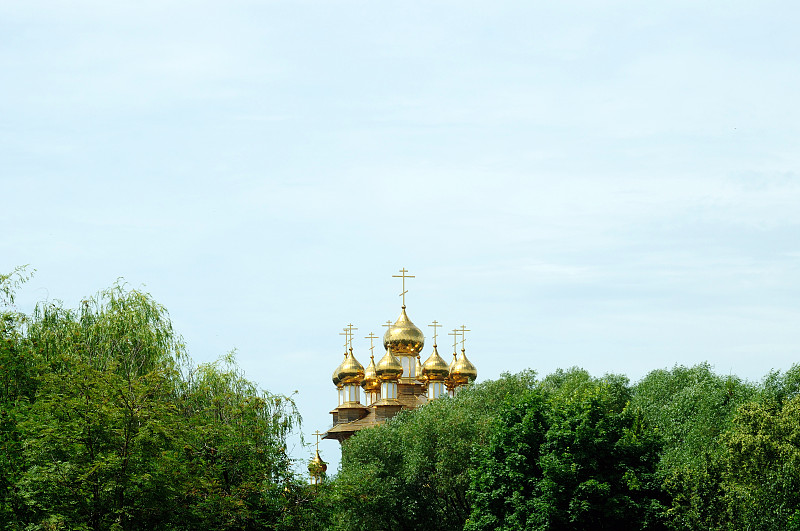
[435,325]
[404,277]
[371,338]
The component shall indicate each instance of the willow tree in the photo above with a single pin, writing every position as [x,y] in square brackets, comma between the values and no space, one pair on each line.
[120,432]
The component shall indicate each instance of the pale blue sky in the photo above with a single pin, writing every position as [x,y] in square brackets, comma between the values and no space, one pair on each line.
[612,185]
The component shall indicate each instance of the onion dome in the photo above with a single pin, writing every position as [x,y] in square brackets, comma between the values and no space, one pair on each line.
[371,381]
[337,381]
[463,370]
[389,368]
[403,337]
[351,371]
[435,368]
[317,467]
[448,381]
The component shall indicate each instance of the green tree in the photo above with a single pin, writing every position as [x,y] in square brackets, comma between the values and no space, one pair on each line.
[761,458]
[235,449]
[413,471]
[568,455]
[17,388]
[112,429]
[689,407]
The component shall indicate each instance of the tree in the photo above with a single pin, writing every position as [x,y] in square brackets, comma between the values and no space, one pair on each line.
[113,429]
[17,388]
[413,472]
[568,455]
[761,458]
[689,407]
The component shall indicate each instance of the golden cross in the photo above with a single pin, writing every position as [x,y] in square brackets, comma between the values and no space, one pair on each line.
[346,340]
[348,330]
[463,336]
[388,324]
[435,325]
[454,333]
[318,434]
[371,337]
[404,277]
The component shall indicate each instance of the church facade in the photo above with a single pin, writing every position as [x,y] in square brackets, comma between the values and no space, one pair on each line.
[399,380]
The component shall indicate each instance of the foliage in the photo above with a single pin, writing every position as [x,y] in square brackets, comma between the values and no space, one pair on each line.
[761,459]
[106,426]
[567,455]
[689,408]
[414,470]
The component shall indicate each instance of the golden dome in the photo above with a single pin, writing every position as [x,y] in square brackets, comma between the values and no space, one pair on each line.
[463,370]
[337,381]
[403,337]
[351,371]
[317,467]
[389,367]
[448,380]
[435,368]
[371,381]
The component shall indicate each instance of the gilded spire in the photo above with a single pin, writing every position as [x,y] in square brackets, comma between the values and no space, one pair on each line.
[463,371]
[317,467]
[371,381]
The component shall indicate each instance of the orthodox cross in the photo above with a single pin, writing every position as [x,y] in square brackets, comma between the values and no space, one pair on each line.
[388,324]
[371,337]
[454,333]
[318,434]
[463,336]
[404,277]
[348,331]
[435,325]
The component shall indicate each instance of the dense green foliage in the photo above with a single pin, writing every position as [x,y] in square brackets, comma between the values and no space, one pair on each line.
[105,425]
[413,470]
[681,449]
[567,455]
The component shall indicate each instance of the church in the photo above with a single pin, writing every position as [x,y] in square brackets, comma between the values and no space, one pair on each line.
[399,380]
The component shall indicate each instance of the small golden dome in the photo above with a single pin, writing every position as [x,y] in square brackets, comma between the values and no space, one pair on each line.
[448,380]
[371,381]
[317,467]
[389,368]
[403,337]
[337,381]
[435,368]
[351,371]
[463,370]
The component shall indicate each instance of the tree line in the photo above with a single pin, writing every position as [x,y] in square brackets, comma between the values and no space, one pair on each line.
[105,424]
[681,449]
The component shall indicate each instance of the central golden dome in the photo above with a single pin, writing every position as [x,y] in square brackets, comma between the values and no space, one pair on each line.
[403,337]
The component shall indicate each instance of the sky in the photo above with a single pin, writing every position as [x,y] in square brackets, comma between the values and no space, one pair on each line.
[609,185]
